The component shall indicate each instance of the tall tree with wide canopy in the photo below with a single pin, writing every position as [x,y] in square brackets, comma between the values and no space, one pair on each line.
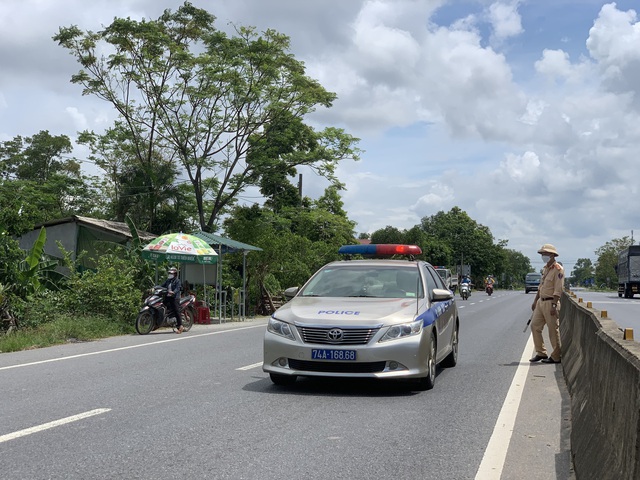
[469,241]
[224,108]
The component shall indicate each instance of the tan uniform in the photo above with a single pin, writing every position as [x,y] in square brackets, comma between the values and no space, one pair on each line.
[551,285]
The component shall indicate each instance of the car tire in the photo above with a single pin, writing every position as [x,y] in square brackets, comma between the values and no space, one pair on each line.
[427,383]
[282,380]
[451,360]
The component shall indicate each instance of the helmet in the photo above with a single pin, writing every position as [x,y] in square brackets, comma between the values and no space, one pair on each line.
[173,270]
[548,248]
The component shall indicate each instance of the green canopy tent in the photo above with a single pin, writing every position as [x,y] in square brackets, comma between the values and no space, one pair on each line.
[223,246]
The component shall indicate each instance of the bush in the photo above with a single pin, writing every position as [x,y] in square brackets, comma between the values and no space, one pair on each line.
[110,291]
[43,307]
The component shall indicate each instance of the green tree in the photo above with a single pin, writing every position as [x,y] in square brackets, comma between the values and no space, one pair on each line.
[516,266]
[469,241]
[582,271]
[37,158]
[38,183]
[148,192]
[225,108]
[388,234]
[608,259]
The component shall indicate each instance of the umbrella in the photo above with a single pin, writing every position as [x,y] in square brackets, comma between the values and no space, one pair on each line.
[180,247]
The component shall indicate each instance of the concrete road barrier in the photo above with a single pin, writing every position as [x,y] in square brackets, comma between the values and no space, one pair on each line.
[602,372]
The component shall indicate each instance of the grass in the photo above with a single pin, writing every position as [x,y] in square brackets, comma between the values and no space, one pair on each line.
[62,330]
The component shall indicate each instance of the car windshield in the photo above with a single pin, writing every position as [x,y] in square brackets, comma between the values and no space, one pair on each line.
[365,281]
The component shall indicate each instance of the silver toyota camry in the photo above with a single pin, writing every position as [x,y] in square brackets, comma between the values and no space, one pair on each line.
[368,318]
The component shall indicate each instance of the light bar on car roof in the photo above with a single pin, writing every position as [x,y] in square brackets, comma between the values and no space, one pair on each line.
[380,249]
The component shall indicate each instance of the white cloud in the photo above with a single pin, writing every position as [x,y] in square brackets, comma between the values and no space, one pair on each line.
[613,43]
[473,111]
[78,118]
[505,20]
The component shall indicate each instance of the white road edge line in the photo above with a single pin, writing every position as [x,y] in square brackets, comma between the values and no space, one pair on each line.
[186,337]
[55,423]
[496,452]
[249,367]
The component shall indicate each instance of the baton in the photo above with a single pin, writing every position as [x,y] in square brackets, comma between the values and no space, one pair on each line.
[528,322]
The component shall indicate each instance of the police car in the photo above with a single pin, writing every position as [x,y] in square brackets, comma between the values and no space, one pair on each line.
[370,318]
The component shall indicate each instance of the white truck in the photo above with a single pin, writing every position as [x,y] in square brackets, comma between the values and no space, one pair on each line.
[450,280]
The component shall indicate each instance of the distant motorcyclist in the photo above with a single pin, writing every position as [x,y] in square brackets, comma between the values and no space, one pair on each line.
[173,285]
[465,287]
[489,281]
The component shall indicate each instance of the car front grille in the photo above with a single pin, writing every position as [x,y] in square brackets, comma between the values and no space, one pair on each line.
[336,367]
[350,336]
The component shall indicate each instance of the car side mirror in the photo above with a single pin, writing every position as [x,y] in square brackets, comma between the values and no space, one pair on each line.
[291,292]
[441,295]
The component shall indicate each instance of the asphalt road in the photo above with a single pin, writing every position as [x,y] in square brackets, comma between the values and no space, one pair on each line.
[198,406]
[624,311]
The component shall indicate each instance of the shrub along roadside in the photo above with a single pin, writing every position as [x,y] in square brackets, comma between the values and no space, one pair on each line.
[64,329]
[86,305]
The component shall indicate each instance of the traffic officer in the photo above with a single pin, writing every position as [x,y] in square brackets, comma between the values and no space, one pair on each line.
[546,306]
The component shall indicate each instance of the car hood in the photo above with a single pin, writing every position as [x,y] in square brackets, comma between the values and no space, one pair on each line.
[330,311]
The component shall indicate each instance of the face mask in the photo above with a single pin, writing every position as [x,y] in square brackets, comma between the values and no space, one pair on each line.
[546,258]
[171,275]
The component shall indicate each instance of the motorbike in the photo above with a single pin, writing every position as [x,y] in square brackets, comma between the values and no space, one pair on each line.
[465,291]
[489,289]
[155,312]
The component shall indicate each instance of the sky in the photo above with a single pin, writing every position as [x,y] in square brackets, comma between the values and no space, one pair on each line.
[522,113]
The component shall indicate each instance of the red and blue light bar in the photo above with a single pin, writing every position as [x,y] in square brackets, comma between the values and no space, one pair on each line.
[380,249]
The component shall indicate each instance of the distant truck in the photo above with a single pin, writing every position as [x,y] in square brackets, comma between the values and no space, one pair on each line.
[532,282]
[628,270]
[451,281]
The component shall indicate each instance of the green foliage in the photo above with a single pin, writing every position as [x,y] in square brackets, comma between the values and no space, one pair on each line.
[37,182]
[36,271]
[582,271]
[110,290]
[388,234]
[228,110]
[607,260]
[10,257]
[469,241]
[515,267]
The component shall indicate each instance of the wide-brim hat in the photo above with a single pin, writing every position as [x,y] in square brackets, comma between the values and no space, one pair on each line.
[548,248]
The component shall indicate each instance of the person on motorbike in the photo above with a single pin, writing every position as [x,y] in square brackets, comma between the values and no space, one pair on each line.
[173,284]
[466,281]
[489,281]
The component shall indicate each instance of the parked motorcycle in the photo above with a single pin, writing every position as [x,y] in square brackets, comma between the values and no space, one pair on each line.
[489,289]
[465,291]
[155,312]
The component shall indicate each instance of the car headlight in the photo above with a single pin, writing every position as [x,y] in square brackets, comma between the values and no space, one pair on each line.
[402,330]
[280,328]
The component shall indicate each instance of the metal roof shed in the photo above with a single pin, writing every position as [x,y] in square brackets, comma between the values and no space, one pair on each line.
[223,246]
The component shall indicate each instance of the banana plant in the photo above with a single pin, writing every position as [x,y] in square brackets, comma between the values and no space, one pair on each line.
[37,271]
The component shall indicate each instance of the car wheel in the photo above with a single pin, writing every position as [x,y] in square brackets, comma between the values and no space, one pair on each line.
[452,359]
[427,383]
[284,380]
